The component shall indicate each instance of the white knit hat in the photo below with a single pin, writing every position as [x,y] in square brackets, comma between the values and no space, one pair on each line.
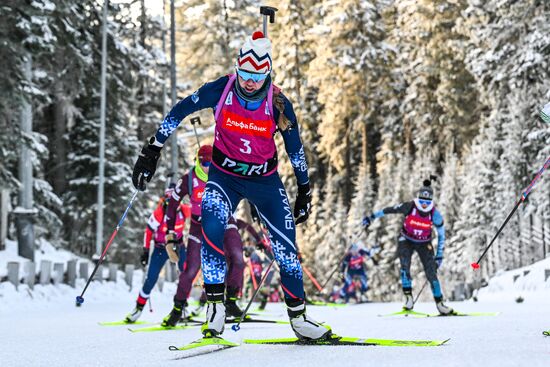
[255,55]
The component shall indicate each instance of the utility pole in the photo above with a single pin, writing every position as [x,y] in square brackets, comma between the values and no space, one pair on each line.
[174,137]
[25,211]
[164,109]
[100,187]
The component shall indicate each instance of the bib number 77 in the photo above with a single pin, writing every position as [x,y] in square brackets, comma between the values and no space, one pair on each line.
[247,149]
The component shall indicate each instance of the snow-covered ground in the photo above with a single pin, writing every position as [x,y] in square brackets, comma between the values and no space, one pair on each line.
[43,327]
[50,331]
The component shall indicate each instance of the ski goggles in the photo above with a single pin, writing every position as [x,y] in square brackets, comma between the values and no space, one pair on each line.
[255,77]
[206,163]
[424,202]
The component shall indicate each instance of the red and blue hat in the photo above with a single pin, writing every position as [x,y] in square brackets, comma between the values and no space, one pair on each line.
[255,54]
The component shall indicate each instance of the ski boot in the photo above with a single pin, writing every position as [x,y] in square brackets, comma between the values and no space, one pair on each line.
[215,311]
[231,307]
[174,316]
[135,314]
[215,320]
[443,308]
[409,302]
[304,326]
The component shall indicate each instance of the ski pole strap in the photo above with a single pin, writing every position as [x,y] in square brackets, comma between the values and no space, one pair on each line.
[537,177]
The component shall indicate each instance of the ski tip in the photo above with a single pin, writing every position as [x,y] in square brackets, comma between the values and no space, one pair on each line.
[79,300]
[475,266]
[546,333]
[235,328]
[173,348]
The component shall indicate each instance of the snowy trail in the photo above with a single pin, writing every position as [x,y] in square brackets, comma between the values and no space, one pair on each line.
[56,333]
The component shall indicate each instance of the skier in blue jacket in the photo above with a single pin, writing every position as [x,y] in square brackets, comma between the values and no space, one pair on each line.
[421,216]
[248,109]
[352,267]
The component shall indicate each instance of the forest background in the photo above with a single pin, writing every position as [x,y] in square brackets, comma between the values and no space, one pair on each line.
[386,93]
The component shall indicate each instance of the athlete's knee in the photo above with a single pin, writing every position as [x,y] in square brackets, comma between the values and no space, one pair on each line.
[192,267]
[237,262]
[432,276]
[149,284]
[290,268]
[215,205]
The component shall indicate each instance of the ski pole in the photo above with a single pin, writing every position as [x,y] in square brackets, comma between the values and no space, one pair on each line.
[313,280]
[196,120]
[419,293]
[522,199]
[150,304]
[267,11]
[335,269]
[237,326]
[80,299]
[331,275]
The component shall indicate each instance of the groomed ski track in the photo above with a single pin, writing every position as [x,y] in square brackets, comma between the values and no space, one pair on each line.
[55,333]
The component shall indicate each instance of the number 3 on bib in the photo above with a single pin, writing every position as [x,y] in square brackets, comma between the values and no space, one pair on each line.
[247,149]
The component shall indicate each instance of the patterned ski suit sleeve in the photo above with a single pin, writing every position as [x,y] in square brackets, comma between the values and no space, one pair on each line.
[206,96]
[293,143]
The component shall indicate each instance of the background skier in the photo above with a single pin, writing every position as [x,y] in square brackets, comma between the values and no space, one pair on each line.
[416,235]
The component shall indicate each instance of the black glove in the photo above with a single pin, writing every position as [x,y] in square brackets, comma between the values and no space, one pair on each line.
[144,258]
[146,165]
[302,206]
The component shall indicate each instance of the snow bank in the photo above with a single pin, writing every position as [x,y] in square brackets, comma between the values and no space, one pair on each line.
[49,295]
[530,283]
[45,251]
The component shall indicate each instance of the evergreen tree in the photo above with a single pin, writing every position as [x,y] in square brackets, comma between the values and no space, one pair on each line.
[348,45]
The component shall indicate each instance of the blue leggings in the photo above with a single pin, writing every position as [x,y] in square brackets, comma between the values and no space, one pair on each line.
[221,197]
[156,262]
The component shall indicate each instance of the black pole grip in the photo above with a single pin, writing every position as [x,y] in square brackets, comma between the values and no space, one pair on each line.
[268,11]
